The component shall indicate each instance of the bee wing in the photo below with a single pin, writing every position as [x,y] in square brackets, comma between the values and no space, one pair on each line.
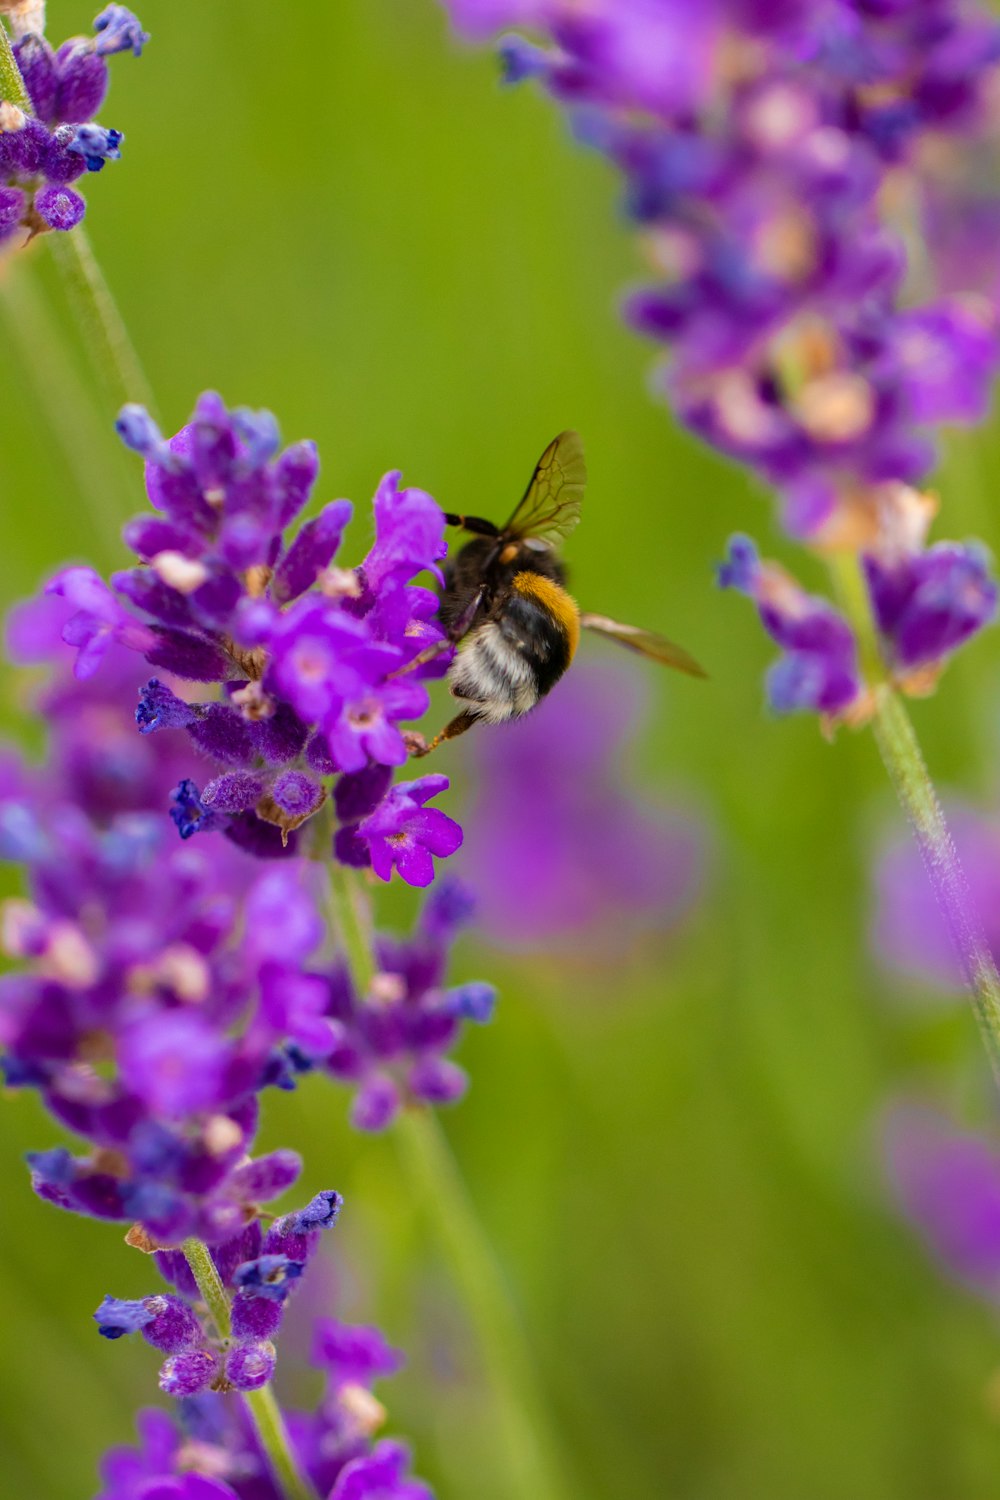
[656,647]
[553,500]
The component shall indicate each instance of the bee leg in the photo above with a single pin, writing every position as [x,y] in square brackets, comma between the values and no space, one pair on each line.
[418,746]
[475,524]
[456,630]
[421,658]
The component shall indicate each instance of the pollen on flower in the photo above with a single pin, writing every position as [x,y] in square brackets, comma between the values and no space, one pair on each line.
[363,1410]
[181,969]
[69,957]
[780,114]
[340,583]
[22,928]
[387,989]
[836,408]
[179,572]
[221,1135]
[742,413]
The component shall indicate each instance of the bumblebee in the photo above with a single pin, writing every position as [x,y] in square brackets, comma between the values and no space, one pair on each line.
[504,604]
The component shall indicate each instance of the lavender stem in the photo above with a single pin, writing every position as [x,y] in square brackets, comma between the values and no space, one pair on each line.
[105,335]
[525,1445]
[264,1410]
[353,926]
[66,401]
[12,87]
[901,755]
[524,1441]
[274,1440]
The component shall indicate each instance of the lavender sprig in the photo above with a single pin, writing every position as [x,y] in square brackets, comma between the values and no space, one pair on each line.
[208,1448]
[901,755]
[201,999]
[68,85]
[762,150]
[262,1403]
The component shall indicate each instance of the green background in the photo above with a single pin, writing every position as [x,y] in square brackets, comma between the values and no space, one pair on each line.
[333,211]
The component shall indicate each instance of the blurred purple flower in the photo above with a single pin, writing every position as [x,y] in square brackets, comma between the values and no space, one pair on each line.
[819,668]
[776,200]
[928,604]
[560,854]
[390,1046]
[908,930]
[758,190]
[947,1182]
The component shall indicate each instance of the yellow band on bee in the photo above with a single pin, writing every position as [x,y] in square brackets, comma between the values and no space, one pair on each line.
[553,597]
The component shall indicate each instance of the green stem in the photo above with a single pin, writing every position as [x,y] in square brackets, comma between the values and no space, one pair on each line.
[263,1407]
[908,773]
[60,390]
[352,924]
[528,1453]
[274,1440]
[107,339]
[11,83]
[525,1448]
[213,1293]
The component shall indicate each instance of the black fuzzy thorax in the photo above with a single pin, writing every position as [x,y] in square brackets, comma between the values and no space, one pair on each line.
[472,566]
[524,623]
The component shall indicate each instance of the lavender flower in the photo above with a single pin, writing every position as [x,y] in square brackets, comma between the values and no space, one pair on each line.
[390,1044]
[133,976]
[161,986]
[140,1011]
[260,1268]
[758,192]
[595,863]
[309,657]
[403,833]
[42,153]
[819,669]
[207,1451]
[800,344]
[926,601]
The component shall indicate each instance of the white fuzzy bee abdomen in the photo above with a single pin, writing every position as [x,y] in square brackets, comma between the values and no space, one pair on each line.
[493,675]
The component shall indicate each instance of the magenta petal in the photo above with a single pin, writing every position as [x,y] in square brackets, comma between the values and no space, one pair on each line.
[414,864]
[385,744]
[381,859]
[439,833]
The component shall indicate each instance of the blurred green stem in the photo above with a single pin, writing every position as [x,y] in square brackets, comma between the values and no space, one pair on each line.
[352,922]
[526,1450]
[908,773]
[11,83]
[264,1409]
[521,1420]
[90,459]
[104,333]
